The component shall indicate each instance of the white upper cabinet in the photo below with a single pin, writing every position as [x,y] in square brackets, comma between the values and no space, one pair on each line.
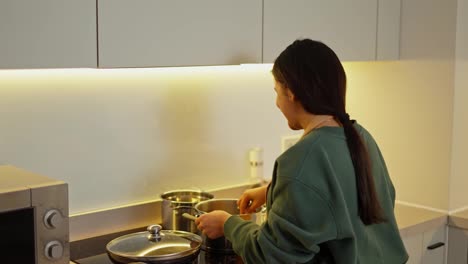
[148,33]
[355,30]
[47,34]
[159,33]
[388,30]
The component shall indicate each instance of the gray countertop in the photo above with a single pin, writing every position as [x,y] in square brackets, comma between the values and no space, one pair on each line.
[459,220]
[410,219]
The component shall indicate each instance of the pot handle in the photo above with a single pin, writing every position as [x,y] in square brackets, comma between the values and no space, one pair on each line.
[189,216]
[199,212]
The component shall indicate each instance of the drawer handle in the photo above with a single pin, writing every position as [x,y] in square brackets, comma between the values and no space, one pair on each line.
[436,245]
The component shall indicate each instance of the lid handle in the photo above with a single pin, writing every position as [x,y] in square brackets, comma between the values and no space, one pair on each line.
[154,232]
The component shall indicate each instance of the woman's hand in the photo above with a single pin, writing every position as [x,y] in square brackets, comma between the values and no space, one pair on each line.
[252,199]
[212,224]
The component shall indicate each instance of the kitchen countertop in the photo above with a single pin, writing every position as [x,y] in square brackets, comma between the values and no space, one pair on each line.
[410,219]
[459,220]
[413,220]
[132,216]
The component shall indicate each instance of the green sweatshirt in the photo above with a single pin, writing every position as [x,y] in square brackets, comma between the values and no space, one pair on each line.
[312,211]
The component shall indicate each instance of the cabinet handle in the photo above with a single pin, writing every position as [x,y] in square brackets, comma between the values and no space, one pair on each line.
[436,245]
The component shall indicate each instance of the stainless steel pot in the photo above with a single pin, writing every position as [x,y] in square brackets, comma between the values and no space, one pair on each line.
[177,202]
[155,246]
[229,205]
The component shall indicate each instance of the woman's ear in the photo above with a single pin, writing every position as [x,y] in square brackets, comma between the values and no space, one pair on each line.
[290,94]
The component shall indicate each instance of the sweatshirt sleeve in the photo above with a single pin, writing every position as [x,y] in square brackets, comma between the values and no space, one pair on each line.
[298,221]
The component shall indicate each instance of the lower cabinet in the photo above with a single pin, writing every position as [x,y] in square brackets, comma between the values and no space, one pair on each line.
[427,247]
[458,249]
[413,245]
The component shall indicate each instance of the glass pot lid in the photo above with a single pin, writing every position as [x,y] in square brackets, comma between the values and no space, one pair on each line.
[155,245]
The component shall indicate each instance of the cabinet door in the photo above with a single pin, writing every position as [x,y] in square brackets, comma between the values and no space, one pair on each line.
[434,242]
[348,27]
[458,246]
[145,33]
[413,245]
[355,30]
[47,34]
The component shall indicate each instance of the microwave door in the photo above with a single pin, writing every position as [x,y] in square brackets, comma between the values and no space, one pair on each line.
[17,243]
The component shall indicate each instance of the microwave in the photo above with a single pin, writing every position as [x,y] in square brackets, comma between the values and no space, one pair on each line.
[34,223]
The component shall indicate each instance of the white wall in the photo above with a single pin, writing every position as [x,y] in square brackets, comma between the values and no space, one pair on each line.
[459,177]
[407,105]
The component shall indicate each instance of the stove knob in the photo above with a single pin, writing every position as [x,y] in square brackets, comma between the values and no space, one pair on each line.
[54,250]
[53,219]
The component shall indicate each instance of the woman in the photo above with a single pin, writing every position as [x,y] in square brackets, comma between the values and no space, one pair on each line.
[331,199]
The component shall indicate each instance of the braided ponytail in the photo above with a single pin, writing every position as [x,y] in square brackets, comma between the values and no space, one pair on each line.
[369,208]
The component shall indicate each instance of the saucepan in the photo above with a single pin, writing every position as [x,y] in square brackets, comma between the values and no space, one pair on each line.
[177,202]
[155,246]
[229,205]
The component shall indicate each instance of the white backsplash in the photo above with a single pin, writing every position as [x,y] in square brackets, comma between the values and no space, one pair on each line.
[125,136]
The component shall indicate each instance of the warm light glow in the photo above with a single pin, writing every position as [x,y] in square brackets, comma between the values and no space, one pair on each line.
[70,74]
[188,69]
[256,66]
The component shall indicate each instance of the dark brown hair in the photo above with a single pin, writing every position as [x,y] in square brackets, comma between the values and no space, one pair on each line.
[314,74]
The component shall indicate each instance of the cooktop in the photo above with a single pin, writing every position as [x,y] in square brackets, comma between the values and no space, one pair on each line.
[203,258]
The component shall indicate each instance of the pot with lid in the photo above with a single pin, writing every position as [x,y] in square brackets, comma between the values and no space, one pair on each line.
[155,246]
[176,203]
